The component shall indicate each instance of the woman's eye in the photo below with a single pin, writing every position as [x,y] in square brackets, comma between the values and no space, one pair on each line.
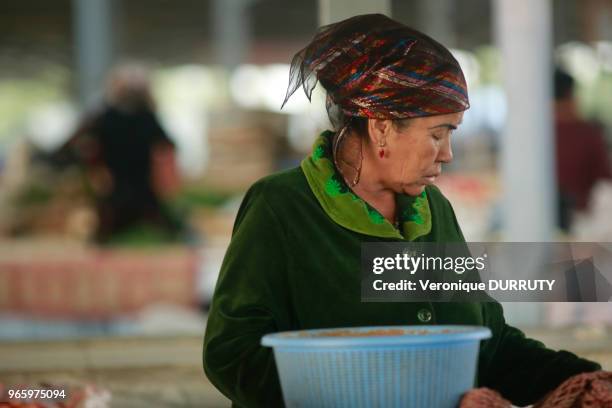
[436,136]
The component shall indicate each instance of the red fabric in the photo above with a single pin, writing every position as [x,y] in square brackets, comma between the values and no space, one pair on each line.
[588,390]
[582,159]
[483,398]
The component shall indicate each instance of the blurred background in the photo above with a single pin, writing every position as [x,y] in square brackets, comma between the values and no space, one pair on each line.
[109,251]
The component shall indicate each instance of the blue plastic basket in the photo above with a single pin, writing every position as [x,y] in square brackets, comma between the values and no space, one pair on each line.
[378,366]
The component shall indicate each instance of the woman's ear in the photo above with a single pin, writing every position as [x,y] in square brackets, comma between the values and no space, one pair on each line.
[378,130]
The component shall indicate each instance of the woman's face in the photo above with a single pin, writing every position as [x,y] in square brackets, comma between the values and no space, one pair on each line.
[414,154]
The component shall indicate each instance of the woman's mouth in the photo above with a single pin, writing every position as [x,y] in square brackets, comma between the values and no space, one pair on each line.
[431,178]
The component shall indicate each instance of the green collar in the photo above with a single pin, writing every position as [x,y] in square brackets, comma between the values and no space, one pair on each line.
[352,212]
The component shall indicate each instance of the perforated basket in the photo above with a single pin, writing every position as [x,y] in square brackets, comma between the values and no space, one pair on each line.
[379,366]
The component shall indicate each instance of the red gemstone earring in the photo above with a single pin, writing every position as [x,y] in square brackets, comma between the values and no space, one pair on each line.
[381,150]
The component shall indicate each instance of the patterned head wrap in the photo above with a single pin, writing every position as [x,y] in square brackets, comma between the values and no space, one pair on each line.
[375,67]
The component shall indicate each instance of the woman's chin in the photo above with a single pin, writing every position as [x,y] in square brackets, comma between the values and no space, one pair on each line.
[413,189]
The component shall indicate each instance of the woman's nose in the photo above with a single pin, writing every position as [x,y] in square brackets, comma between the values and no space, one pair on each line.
[445,154]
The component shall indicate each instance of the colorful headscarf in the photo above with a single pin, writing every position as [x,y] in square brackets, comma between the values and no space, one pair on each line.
[375,67]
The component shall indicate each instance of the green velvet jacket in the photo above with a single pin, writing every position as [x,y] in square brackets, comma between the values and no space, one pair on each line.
[294,263]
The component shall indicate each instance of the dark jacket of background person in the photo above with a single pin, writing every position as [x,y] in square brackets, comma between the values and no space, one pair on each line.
[117,144]
[581,151]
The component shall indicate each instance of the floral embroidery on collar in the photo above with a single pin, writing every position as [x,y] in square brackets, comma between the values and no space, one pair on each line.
[351,211]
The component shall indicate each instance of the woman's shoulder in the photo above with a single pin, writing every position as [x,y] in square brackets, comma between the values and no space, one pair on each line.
[275,195]
[290,178]
[282,186]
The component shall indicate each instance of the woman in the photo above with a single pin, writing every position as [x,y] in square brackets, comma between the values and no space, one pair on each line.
[395,96]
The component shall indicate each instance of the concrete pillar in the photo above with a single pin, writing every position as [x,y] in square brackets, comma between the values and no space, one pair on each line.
[437,20]
[93,39]
[331,11]
[231,32]
[523,34]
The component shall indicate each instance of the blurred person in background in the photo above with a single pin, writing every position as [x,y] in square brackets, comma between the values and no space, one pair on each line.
[394,96]
[128,157]
[582,153]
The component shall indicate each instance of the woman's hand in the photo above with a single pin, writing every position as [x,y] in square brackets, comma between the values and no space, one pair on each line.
[582,390]
[483,397]
[590,390]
